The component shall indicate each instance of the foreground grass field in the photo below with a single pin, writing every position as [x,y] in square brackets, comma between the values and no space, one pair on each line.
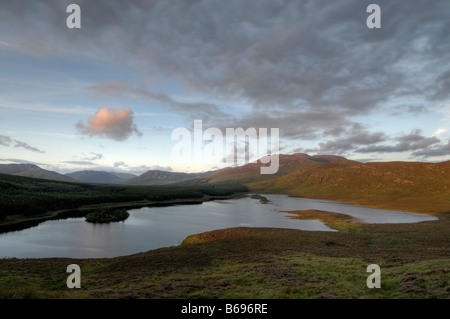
[256,263]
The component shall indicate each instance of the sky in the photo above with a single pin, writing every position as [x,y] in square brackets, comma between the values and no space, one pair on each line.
[108,95]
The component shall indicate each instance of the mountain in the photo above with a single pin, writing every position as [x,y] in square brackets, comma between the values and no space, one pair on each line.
[124,176]
[287,164]
[158,177]
[100,177]
[31,170]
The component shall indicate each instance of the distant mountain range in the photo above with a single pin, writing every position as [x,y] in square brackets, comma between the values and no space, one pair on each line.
[87,176]
[31,170]
[100,177]
[243,174]
[157,177]
[410,186]
[151,177]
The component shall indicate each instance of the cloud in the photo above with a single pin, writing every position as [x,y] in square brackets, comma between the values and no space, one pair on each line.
[410,142]
[367,160]
[115,124]
[439,150]
[7,102]
[440,131]
[21,161]
[161,168]
[26,146]
[359,140]
[295,122]
[8,141]
[310,68]
[5,140]
[161,128]
[140,169]
[191,111]
[272,54]
[120,164]
[346,144]
[95,156]
[78,162]
[409,109]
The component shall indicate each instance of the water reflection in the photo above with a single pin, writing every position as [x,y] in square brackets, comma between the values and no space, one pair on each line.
[150,228]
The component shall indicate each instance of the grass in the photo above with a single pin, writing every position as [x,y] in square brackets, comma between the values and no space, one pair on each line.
[262,199]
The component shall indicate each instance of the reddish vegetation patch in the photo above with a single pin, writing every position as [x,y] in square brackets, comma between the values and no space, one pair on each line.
[221,234]
[316,214]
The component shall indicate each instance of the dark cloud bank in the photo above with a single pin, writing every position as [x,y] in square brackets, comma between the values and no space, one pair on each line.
[310,68]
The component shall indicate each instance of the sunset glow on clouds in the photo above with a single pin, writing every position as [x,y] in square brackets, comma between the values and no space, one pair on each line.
[115,124]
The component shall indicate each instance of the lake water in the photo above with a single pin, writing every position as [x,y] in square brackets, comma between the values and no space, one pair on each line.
[154,227]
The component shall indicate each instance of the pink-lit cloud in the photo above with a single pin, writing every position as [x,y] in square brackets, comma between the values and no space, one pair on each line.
[116,124]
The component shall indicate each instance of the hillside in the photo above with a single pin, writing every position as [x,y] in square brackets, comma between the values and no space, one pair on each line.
[100,177]
[124,176]
[413,186]
[287,164]
[31,170]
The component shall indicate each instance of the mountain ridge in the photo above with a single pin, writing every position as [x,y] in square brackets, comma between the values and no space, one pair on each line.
[33,170]
[288,163]
[100,177]
[159,177]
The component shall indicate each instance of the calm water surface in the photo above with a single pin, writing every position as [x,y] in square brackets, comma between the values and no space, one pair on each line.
[155,227]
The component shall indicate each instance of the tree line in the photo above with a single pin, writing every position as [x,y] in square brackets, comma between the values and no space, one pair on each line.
[30,196]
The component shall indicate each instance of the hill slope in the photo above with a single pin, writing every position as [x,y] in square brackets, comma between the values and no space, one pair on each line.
[287,164]
[31,170]
[100,177]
